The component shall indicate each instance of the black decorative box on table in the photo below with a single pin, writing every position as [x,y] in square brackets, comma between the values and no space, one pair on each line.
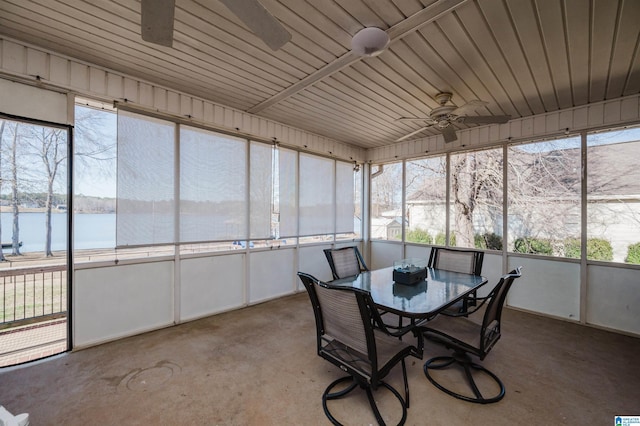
[409,271]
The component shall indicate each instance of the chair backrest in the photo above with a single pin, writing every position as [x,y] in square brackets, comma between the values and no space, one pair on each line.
[345,262]
[344,326]
[456,260]
[490,331]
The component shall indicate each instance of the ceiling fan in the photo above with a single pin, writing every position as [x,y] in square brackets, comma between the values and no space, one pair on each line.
[157,21]
[444,116]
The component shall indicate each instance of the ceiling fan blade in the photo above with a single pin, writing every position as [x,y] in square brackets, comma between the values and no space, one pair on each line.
[260,22]
[485,119]
[471,105]
[449,133]
[415,132]
[412,119]
[426,120]
[156,21]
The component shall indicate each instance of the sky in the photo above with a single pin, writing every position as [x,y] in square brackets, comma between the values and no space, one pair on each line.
[93,181]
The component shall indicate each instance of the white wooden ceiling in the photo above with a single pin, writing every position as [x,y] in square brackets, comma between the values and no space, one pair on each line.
[524,57]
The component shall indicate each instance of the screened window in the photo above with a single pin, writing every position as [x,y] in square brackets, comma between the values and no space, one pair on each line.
[213,186]
[386,202]
[426,204]
[613,196]
[261,190]
[476,195]
[146,170]
[349,179]
[345,208]
[357,202]
[94,200]
[233,192]
[33,192]
[544,197]
[286,210]
[317,188]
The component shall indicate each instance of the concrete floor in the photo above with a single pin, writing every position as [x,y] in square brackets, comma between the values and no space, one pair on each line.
[258,366]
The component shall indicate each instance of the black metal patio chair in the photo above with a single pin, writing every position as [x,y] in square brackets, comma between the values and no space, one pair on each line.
[466,337]
[458,260]
[346,337]
[345,261]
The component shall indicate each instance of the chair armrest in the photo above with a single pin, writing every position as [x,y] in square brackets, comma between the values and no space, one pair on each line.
[482,301]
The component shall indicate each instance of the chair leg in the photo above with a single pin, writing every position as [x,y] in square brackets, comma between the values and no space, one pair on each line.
[374,406]
[327,395]
[341,393]
[464,360]
[406,383]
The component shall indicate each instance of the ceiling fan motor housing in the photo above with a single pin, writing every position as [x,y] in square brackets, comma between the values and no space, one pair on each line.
[441,115]
[441,112]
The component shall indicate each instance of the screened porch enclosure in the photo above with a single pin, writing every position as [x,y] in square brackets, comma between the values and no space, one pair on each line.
[280,195]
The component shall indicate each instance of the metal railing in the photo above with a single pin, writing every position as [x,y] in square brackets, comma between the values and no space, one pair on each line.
[32,294]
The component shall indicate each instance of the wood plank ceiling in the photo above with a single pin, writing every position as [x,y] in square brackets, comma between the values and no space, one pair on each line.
[524,57]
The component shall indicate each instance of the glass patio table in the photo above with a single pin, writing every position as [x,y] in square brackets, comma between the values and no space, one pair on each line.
[420,301]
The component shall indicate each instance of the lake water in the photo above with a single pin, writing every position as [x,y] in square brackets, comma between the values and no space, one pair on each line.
[92,230]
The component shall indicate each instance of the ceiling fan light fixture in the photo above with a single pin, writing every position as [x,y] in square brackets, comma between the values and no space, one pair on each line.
[370,41]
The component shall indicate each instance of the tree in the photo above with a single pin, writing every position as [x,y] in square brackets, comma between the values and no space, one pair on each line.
[476,180]
[15,237]
[476,186]
[544,190]
[50,146]
[95,150]
[426,195]
[386,188]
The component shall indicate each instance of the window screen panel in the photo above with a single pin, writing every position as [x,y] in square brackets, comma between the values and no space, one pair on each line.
[145,187]
[316,195]
[426,200]
[613,185]
[213,186]
[345,207]
[544,189]
[261,184]
[386,201]
[286,193]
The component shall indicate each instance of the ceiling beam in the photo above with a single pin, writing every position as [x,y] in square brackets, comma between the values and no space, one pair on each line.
[398,31]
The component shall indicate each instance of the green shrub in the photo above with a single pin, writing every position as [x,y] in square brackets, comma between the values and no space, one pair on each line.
[489,241]
[533,245]
[572,248]
[494,241]
[479,242]
[441,239]
[597,249]
[419,235]
[633,254]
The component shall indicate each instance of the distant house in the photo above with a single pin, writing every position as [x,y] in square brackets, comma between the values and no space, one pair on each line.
[385,228]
